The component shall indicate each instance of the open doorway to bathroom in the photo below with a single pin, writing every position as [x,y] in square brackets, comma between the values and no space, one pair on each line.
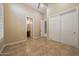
[29,27]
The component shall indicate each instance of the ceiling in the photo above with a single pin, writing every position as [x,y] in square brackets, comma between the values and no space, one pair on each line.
[41,8]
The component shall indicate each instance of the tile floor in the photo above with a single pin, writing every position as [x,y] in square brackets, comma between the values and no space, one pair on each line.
[41,47]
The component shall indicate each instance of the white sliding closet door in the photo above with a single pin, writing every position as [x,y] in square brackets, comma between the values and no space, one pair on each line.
[50,28]
[54,28]
[68,27]
[75,29]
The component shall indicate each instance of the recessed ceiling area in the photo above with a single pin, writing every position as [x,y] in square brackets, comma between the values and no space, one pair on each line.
[41,7]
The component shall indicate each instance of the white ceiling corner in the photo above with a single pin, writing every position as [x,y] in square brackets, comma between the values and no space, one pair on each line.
[35,6]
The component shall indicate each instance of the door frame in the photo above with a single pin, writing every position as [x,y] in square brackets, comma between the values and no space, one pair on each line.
[31,33]
[43,28]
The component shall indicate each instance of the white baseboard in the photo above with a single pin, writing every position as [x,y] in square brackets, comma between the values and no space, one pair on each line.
[9,44]
[45,35]
[15,42]
[2,49]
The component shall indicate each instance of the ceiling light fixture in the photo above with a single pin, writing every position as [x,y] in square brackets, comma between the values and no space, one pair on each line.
[42,5]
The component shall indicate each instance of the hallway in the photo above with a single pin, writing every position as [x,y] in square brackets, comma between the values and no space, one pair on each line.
[53,27]
[41,47]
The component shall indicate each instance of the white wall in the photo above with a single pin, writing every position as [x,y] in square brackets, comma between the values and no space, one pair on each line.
[15,21]
[57,7]
[1,26]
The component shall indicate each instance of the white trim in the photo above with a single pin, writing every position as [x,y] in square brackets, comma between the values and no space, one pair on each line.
[78,26]
[63,11]
[45,34]
[32,30]
[13,43]
[2,48]
[9,44]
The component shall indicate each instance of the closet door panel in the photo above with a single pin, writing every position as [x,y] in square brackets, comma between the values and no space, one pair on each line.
[75,29]
[56,28]
[53,28]
[50,28]
[67,22]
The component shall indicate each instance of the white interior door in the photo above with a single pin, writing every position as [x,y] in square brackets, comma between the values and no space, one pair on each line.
[67,27]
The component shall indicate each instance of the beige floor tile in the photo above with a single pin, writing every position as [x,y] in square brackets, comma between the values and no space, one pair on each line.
[41,47]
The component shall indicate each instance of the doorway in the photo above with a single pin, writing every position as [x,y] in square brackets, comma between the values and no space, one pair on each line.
[43,28]
[29,27]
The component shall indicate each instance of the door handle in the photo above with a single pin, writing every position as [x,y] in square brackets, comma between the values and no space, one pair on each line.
[74,32]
